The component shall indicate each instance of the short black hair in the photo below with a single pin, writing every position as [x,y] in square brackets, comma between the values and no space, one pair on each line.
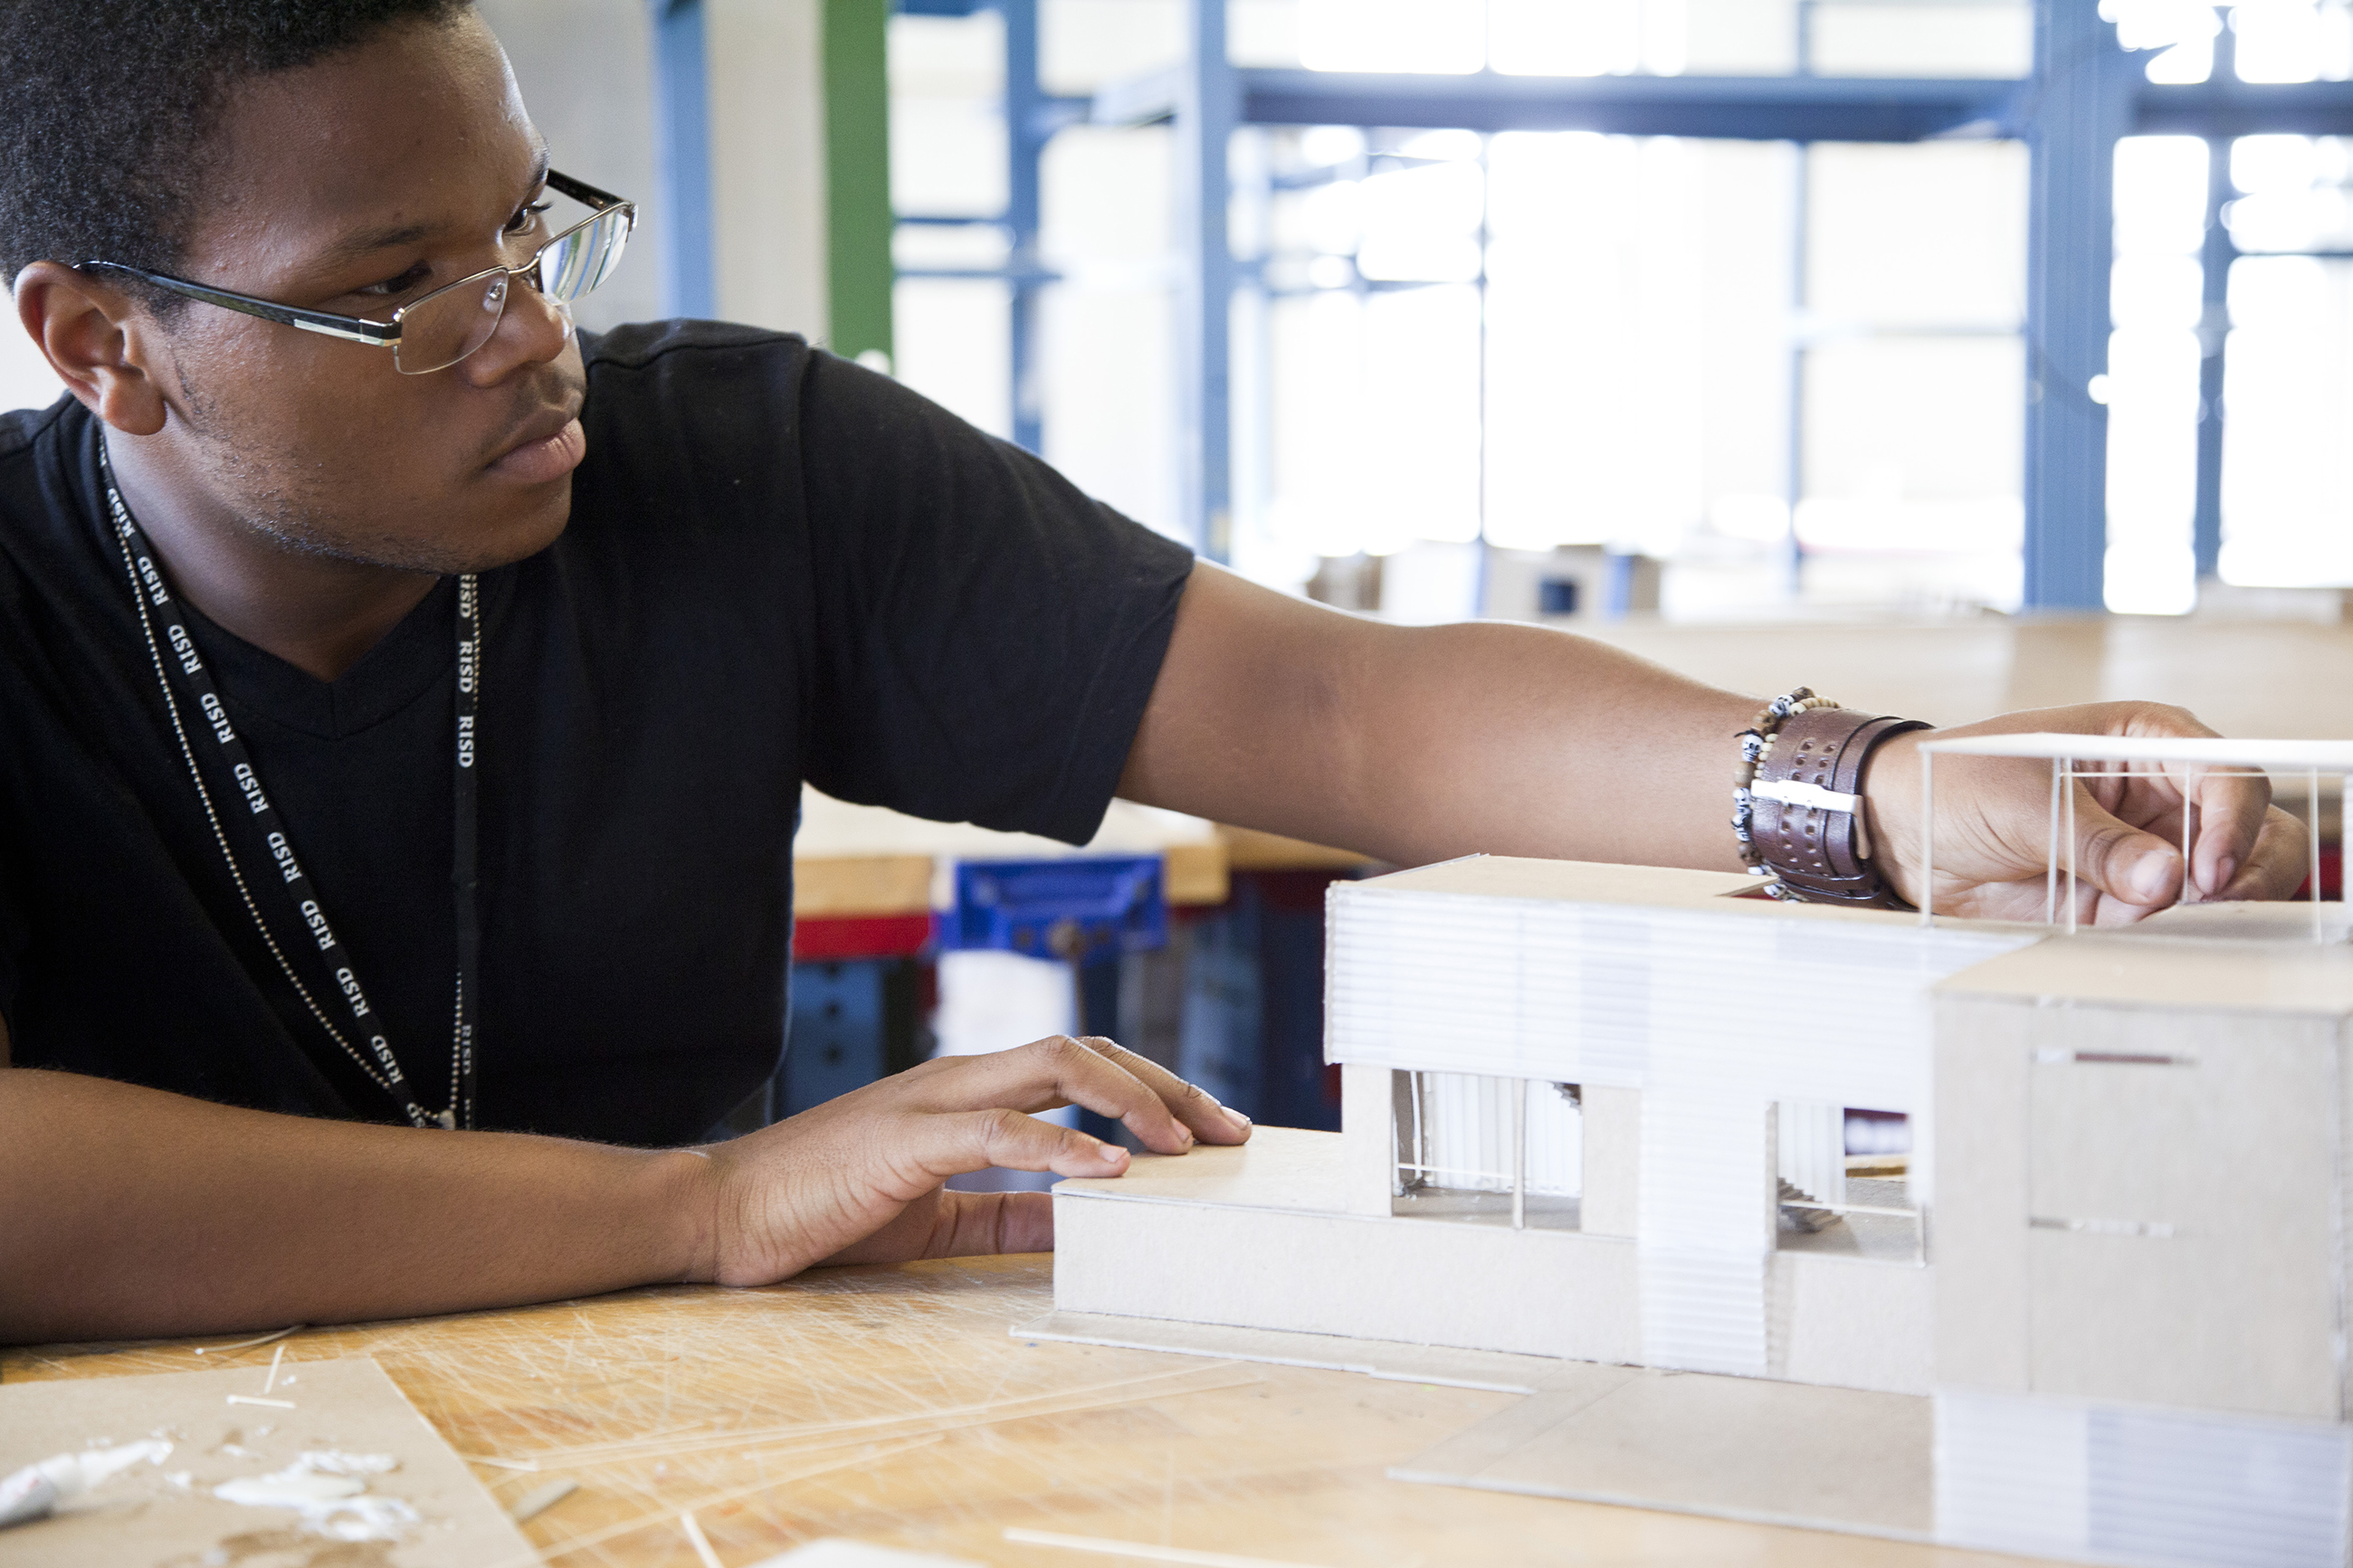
[107,108]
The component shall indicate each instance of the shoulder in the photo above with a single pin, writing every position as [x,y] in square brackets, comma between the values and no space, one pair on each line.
[719,369]
[661,393]
[676,352]
[48,477]
[22,429]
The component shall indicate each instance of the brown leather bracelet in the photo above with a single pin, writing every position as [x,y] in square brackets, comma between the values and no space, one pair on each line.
[1807,794]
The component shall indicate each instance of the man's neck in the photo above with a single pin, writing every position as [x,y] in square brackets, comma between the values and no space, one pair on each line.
[318,614]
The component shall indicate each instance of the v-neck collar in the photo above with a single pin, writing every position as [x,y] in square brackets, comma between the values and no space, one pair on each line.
[403,666]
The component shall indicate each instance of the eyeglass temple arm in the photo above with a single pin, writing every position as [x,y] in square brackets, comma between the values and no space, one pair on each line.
[350,328]
[581,191]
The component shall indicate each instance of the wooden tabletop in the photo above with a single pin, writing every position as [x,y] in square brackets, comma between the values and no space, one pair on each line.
[891,1405]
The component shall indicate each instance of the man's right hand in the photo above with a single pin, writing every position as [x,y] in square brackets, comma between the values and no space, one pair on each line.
[129,1213]
[859,1178]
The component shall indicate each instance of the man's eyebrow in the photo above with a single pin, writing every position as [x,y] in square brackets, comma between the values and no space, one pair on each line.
[367,241]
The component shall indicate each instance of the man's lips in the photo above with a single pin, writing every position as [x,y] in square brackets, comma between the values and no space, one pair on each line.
[537,459]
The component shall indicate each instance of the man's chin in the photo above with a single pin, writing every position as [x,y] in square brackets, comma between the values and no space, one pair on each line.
[524,536]
[500,535]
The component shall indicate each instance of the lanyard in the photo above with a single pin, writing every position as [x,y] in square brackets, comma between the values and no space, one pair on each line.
[334,977]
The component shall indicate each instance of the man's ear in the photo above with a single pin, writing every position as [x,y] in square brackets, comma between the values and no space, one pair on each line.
[97,341]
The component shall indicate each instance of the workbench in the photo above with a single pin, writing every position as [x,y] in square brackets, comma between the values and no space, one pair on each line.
[891,1405]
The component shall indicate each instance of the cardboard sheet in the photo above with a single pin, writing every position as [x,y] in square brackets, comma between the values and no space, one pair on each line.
[164,1515]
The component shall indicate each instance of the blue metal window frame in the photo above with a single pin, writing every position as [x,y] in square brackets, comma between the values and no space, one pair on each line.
[1032,117]
[681,209]
[2084,93]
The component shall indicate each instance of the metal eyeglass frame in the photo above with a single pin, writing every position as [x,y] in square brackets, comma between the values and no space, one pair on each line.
[386,334]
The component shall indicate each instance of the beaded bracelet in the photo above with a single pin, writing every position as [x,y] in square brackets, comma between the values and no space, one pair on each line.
[1756,745]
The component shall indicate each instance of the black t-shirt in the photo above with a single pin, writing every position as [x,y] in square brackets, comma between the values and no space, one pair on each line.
[779,567]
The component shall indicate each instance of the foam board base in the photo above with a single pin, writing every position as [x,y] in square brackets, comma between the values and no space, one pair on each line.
[1729,1448]
[1389,1359]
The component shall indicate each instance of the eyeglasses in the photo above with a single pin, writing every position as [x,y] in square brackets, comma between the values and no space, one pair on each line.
[445,326]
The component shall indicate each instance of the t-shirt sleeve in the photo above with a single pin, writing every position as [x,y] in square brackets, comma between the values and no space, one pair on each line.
[986,634]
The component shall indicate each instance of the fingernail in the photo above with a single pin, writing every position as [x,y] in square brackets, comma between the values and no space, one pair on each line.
[2224,870]
[2150,877]
[1186,1133]
[1242,1122]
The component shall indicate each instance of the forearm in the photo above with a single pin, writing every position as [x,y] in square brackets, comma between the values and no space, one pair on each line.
[128,1212]
[1419,743]
[1515,740]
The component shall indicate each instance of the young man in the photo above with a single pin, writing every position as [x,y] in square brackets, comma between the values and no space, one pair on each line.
[412,734]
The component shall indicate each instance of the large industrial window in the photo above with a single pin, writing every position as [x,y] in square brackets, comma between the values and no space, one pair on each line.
[1784,373]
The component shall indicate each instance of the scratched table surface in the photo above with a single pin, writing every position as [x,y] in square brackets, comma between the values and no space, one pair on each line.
[891,1405]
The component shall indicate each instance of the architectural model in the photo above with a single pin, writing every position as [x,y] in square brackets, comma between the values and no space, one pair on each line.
[1594,1143]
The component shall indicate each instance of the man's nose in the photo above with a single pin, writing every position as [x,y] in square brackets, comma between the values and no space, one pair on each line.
[533,330]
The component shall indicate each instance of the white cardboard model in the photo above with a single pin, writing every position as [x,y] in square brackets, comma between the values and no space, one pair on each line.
[2101,1316]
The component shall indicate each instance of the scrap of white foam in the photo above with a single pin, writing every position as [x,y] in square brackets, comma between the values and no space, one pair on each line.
[257,1399]
[97,1464]
[37,1489]
[328,1491]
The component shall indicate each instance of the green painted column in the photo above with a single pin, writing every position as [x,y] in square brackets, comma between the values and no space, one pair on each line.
[857,176]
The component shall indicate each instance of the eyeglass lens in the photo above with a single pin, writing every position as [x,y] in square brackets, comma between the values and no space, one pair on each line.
[442,328]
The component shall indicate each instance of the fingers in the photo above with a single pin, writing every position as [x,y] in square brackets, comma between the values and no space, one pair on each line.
[975,1139]
[958,1225]
[979,1224]
[2276,867]
[2231,810]
[2134,868]
[1189,1103]
[1159,1108]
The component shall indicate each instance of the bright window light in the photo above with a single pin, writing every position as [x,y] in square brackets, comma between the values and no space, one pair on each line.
[1439,37]
[1566,37]
[1595,311]
[1322,146]
[2157,302]
[2279,40]
[1973,37]
[2287,497]
[2158,291]
[2160,23]
[1334,217]
[1377,402]
[1446,198]
[1443,145]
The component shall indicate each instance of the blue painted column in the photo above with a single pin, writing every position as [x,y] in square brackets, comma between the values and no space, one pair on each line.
[2213,331]
[1025,134]
[2081,103]
[1207,104]
[683,158]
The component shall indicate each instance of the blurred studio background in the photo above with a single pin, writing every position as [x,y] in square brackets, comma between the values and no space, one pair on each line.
[1946,356]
